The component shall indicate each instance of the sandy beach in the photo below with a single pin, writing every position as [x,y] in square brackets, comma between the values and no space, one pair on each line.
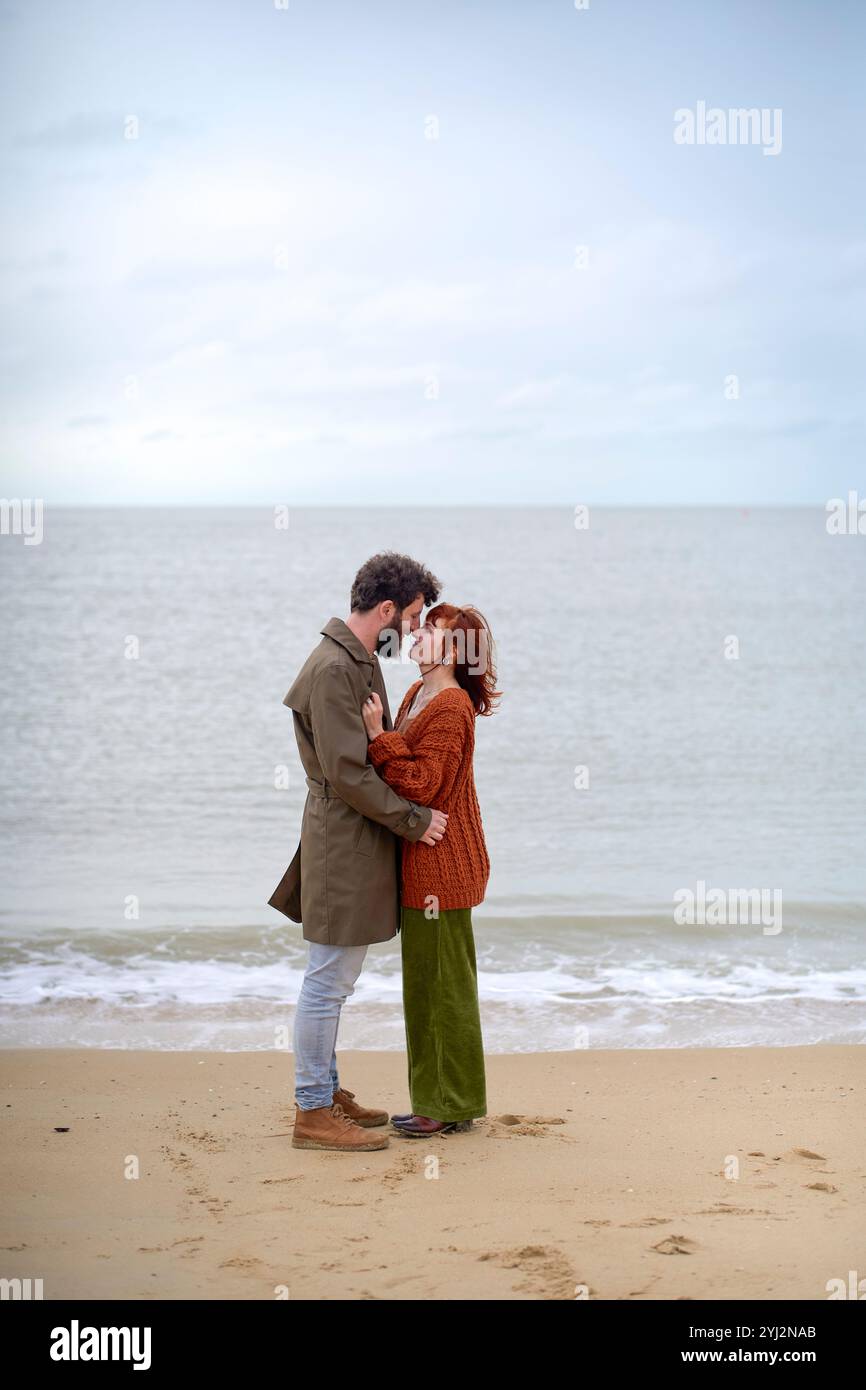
[596,1170]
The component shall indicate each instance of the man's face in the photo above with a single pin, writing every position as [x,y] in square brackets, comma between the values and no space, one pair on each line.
[403,623]
[412,616]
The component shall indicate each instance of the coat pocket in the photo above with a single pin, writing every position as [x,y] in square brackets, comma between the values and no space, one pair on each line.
[366,837]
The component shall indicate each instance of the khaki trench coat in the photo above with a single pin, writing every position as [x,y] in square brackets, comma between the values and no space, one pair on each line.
[343,882]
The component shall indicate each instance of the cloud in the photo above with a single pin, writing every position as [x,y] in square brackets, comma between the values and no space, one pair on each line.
[88,130]
[417,303]
[310,374]
[664,393]
[532,392]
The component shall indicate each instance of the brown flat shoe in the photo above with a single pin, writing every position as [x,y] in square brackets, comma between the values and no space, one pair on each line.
[418,1125]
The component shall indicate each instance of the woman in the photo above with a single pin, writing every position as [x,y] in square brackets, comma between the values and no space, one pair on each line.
[427,758]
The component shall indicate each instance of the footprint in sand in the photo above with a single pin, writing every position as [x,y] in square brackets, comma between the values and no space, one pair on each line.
[190,1246]
[676,1245]
[405,1167]
[194,1184]
[528,1120]
[546,1270]
[800,1156]
[731,1209]
[201,1139]
[646,1221]
[535,1126]
[796,1156]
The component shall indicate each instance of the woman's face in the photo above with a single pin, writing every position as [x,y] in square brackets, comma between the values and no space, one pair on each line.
[430,643]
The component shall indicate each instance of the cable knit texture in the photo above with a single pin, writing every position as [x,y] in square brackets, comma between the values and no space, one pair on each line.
[431,763]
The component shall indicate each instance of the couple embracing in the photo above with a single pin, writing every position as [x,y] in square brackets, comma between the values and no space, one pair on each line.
[391,842]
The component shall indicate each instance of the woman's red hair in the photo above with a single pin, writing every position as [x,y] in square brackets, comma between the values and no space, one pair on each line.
[472,653]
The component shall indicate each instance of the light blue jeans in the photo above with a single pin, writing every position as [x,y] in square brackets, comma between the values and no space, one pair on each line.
[329,979]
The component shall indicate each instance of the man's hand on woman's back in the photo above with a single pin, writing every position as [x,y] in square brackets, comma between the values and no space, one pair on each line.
[436,829]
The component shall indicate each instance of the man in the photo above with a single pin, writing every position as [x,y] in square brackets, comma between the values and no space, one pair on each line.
[343,882]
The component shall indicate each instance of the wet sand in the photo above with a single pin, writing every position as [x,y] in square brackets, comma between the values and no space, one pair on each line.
[701,1174]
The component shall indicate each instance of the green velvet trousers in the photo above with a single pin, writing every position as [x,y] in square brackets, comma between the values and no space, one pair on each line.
[443,1021]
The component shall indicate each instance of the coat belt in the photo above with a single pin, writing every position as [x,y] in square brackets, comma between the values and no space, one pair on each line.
[320,789]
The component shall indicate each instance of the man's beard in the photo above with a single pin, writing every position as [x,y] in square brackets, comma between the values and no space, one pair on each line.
[390,640]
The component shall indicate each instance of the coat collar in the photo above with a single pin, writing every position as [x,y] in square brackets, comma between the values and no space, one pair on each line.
[340,632]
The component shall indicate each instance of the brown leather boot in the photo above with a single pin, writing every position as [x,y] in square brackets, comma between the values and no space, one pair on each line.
[329,1127]
[366,1118]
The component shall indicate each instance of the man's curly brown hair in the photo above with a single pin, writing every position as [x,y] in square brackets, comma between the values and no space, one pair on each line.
[395,577]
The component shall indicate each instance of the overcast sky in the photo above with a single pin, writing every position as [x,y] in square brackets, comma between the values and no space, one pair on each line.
[283,290]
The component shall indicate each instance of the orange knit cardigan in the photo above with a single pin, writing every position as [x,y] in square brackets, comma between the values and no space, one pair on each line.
[432,764]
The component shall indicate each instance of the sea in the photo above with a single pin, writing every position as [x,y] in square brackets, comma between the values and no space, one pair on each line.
[673,787]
